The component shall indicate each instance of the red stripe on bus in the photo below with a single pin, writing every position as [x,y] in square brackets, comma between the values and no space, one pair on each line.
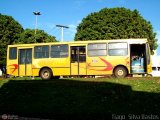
[15,67]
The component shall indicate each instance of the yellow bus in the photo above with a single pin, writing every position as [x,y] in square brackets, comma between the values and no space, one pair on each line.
[120,58]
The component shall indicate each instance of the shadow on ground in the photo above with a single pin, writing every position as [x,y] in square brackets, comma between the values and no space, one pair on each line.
[54,99]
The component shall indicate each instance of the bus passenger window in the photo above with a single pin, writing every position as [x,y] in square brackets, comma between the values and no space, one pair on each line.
[117,49]
[97,49]
[59,51]
[12,53]
[41,51]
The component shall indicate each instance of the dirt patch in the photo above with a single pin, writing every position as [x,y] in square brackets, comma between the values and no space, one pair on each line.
[158,81]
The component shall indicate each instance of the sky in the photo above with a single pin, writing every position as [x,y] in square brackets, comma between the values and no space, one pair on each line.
[71,12]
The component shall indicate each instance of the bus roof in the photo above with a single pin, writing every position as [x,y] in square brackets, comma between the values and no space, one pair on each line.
[130,41]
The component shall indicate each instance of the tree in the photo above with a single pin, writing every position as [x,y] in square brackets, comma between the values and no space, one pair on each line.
[116,23]
[10,30]
[29,36]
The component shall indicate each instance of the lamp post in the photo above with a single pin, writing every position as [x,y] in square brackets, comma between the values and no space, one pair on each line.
[36,14]
[62,27]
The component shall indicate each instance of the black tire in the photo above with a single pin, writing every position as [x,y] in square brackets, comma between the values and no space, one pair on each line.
[46,74]
[120,72]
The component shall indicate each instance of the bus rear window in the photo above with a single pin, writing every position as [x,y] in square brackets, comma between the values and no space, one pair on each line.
[12,53]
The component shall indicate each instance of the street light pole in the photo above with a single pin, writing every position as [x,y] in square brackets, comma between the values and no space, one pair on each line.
[36,14]
[62,28]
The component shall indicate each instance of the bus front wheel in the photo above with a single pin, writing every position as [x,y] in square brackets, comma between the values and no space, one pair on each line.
[46,73]
[120,72]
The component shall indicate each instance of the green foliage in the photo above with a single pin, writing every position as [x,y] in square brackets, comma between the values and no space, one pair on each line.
[29,36]
[9,31]
[116,23]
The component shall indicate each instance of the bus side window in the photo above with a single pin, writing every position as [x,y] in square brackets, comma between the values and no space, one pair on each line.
[13,53]
[41,51]
[59,51]
[117,49]
[97,49]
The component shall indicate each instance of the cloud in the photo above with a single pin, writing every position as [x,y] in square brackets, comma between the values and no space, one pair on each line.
[70,33]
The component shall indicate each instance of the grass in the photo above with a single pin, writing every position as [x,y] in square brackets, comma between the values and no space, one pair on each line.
[79,96]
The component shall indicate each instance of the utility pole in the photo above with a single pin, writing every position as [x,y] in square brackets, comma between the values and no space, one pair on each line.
[62,27]
[36,14]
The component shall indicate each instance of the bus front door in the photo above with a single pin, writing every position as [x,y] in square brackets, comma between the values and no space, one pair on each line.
[25,62]
[78,60]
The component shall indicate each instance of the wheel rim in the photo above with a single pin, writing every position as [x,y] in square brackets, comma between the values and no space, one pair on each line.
[120,73]
[45,74]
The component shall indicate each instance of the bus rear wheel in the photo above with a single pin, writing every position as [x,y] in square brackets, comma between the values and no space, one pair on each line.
[120,72]
[46,73]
